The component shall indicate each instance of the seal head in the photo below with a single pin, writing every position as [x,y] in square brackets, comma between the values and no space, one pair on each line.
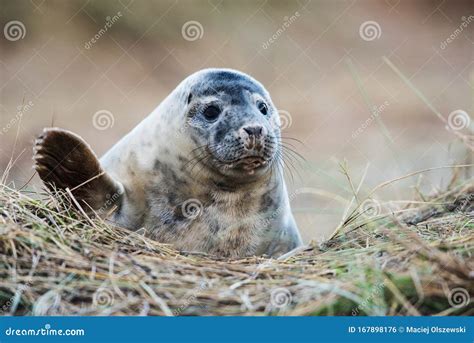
[233,125]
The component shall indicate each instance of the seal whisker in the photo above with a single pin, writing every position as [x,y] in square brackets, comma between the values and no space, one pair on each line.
[196,154]
[277,165]
[202,158]
[292,166]
[284,166]
[295,161]
[201,164]
[294,152]
[290,161]
[194,158]
[294,139]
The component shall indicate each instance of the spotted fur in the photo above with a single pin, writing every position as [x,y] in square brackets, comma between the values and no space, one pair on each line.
[202,170]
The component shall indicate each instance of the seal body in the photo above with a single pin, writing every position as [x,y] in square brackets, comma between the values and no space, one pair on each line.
[202,171]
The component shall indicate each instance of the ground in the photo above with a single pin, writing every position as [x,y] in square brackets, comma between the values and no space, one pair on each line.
[418,260]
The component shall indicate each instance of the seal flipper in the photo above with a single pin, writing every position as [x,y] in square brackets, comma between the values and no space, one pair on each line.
[64,160]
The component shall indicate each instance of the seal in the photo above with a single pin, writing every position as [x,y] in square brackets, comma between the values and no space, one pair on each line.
[203,171]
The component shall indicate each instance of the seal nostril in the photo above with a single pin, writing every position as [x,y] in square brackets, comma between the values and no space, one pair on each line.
[254,130]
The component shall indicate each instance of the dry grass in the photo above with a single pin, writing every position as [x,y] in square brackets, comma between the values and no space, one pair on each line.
[420,261]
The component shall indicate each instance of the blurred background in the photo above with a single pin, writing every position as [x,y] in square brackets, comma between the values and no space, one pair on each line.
[382,87]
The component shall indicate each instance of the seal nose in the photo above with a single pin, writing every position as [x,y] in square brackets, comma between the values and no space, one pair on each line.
[254,131]
[252,137]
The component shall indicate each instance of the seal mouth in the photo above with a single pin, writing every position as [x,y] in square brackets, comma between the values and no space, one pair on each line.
[248,163]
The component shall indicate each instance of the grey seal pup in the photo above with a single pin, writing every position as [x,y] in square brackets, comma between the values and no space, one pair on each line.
[203,171]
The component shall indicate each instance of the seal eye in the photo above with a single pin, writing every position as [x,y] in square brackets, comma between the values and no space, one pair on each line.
[262,107]
[211,112]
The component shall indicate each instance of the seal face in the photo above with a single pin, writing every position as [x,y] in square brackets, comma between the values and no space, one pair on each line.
[233,125]
[202,171]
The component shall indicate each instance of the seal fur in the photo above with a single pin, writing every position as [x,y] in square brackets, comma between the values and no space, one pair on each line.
[202,171]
